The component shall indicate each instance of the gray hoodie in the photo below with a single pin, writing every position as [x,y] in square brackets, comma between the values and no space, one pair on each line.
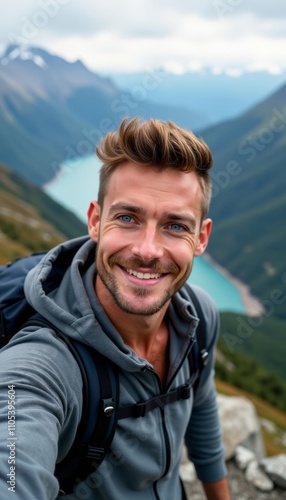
[143,462]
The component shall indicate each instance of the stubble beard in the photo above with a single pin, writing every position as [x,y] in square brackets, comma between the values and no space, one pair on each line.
[113,288]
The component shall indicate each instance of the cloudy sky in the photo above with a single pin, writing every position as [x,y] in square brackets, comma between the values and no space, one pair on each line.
[130,35]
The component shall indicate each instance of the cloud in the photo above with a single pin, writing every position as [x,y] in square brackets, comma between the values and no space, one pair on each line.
[127,18]
[130,36]
[275,9]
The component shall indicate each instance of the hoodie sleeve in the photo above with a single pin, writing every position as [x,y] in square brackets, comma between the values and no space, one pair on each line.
[40,400]
[203,437]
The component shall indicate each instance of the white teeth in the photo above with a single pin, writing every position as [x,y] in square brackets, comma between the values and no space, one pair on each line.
[144,276]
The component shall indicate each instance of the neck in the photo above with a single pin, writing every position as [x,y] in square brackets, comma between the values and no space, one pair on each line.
[138,332]
[148,336]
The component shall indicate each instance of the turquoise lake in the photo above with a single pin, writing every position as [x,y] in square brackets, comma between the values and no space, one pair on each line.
[78,184]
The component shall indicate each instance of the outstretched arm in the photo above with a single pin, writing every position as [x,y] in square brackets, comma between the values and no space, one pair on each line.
[217,490]
[204,437]
[33,367]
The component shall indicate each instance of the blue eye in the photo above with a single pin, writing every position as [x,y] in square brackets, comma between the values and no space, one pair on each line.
[176,227]
[126,218]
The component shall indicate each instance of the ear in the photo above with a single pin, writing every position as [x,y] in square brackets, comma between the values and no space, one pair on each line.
[204,235]
[93,217]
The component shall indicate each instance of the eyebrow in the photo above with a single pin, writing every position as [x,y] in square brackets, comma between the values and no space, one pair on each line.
[128,208]
[178,217]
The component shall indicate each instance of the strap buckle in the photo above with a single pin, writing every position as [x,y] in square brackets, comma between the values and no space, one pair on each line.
[185,391]
[94,452]
[139,410]
[204,357]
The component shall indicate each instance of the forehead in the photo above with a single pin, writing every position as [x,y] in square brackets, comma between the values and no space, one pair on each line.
[147,177]
[141,185]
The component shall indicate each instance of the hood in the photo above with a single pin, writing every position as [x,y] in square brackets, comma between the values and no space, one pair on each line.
[61,289]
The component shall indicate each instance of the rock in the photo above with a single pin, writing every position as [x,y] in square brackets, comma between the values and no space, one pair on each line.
[250,477]
[275,467]
[239,487]
[187,472]
[184,457]
[187,468]
[240,424]
[254,442]
[243,457]
[282,439]
[257,477]
[269,426]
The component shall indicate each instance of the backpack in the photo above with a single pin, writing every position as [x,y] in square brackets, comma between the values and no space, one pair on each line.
[101,410]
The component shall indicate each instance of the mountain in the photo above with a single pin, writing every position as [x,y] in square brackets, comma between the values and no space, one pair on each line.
[249,236]
[52,110]
[30,221]
[249,203]
[215,94]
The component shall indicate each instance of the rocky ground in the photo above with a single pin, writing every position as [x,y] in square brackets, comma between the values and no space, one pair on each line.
[240,488]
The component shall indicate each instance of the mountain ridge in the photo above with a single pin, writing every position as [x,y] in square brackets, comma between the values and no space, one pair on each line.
[249,198]
[218,95]
[48,106]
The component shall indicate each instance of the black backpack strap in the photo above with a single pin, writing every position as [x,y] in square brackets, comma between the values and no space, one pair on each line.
[102,417]
[14,308]
[98,420]
[199,355]
[140,409]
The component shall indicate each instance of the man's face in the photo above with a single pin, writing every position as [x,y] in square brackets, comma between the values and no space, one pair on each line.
[148,231]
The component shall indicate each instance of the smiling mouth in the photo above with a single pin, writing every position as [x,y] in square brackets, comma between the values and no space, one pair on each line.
[144,276]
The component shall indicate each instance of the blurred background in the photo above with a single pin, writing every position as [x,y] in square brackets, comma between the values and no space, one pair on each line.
[70,71]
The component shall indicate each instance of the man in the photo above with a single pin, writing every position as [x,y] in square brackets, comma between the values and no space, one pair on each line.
[128,302]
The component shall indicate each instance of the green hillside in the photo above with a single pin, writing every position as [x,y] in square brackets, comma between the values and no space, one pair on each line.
[252,245]
[248,207]
[30,221]
[249,154]
[239,360]
[262,339]
[249,239]
[46,134]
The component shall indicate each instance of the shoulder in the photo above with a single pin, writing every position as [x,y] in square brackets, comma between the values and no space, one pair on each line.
[38,354]
[201,301]
[203,307]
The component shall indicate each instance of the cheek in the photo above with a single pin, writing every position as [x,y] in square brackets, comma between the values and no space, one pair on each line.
[183,254]
[109,243]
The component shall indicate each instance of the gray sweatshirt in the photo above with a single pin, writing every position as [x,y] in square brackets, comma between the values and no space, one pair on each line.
[45,383]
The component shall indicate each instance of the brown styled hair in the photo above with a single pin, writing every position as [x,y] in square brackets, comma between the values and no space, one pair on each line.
[158,144]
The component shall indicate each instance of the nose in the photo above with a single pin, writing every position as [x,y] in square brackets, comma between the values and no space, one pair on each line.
[148,245]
